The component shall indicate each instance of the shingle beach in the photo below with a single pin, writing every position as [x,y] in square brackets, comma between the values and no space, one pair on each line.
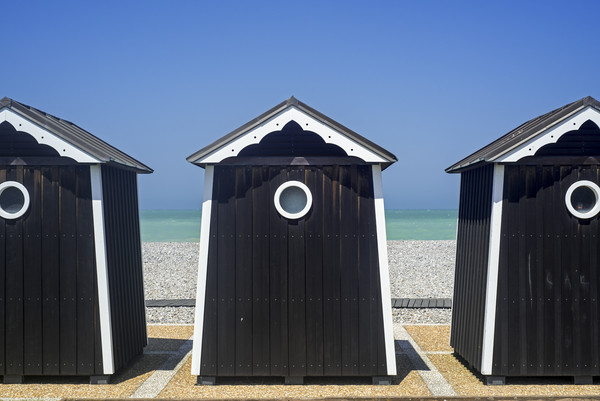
[418,269]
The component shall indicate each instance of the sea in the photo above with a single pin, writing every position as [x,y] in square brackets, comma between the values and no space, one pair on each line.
[402,224]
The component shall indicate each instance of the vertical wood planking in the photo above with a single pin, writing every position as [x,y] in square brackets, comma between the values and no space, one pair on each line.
[50,270]
[278,281]
[262,202]
[86,274]
[226,274]
[3,294]
[297,289]
[314,275]
[332,351]
[243,272]
[14,287]
[368,333]
[349,270]
[68,273]
[32,268]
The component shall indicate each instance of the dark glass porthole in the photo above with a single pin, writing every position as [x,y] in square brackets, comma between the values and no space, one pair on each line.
[583,199]
[293,199]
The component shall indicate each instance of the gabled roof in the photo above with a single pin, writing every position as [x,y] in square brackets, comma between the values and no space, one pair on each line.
[524,134]
[79,138]
[239,136]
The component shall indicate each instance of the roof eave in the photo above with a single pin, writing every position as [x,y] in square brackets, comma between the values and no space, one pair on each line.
[292,102]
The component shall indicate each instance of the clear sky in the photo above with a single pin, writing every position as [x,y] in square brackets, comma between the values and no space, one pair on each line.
[431,81]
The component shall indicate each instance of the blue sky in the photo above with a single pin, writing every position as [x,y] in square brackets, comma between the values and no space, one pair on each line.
[431,81]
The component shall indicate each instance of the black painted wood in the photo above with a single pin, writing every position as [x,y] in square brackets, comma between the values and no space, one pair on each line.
[259,187]
[304,276]
[51,270]
[32,270]
[123,251]
[547,312]
[14,287]
[471,263]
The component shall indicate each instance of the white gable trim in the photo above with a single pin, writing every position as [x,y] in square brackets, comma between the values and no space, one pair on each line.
[276,123]
[550,135]
[45,137]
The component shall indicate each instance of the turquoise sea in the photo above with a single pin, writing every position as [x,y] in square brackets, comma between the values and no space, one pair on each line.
[184,225]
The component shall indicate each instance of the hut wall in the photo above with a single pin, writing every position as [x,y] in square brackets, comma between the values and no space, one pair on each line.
[547,313]
[48,301]
[124,262]
[293,297]
[468,305]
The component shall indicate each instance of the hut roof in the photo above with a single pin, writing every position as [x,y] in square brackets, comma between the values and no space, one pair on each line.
[292,109]
[524,134]
[95,149]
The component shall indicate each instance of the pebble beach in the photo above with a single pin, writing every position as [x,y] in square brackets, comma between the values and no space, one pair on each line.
[418,269]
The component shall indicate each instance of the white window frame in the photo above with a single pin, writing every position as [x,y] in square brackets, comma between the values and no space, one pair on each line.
[281,210]
[594,210]
[14,184]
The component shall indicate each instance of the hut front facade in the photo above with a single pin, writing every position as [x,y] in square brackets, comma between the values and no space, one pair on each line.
[293,277]
[71,291]
[527,264]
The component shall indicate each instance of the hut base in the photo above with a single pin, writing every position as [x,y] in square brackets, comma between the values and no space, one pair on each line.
[583,380]
[294,380]
[206,380]
[495,380]
[13,379]
[100,379]
[382,380]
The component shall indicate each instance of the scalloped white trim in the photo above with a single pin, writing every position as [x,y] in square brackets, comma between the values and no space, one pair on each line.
[45,137]
[550,135]
[276,123]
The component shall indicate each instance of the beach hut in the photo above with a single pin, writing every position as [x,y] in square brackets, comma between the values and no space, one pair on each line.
[528,257]
[71,291]
[293,273]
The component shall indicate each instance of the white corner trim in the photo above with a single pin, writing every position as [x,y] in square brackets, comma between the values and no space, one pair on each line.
[202,270]
[101,270]
[276,123]
[550,135]
[45,137]
[491,291]
[384,273]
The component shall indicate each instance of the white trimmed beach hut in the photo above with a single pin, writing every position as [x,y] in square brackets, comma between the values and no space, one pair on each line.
[293,275]
[526,291]
[71,290]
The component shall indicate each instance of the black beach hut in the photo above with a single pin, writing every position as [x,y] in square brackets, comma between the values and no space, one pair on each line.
[528,262]
[293,277]
[71,291]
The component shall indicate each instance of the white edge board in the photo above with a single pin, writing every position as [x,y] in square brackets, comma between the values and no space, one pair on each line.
[202,270]
[45,137]
[276,123]
[102,270]
[384,274]
[491,291]
[550,135]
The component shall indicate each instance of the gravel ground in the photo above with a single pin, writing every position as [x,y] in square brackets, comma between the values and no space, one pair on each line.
[418,269]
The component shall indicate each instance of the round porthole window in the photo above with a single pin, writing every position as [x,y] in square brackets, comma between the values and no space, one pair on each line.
[293,199]
[14,200]
[583,199]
